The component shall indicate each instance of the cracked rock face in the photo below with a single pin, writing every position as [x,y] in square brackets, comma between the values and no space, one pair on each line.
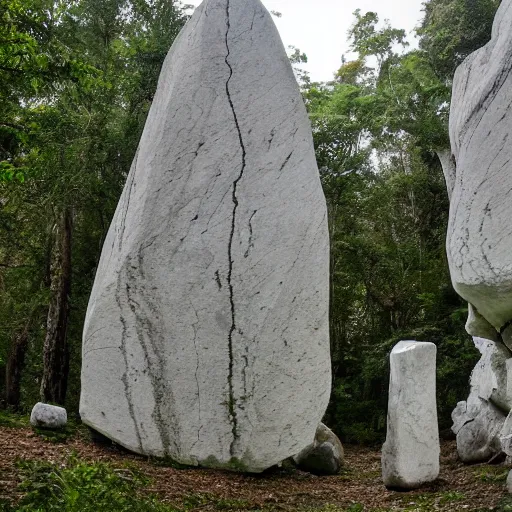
[479,234]
[410,455]
[478,421]
[206,337]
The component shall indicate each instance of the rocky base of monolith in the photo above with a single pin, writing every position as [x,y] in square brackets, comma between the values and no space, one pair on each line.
[325,456]
[478,422]
[410,455]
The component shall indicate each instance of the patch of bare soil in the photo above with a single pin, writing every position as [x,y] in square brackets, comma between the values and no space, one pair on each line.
[459,488]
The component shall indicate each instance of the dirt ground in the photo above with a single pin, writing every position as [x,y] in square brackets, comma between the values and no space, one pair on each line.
[460,487]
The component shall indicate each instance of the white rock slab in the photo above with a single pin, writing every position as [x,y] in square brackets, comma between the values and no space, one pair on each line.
[410,455]
[479,239]
[48,416]
[206,337]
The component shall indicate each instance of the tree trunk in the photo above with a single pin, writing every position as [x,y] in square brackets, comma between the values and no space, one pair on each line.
[56,352]
[14,368]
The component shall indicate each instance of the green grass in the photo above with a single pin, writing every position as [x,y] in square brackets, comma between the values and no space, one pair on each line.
[13,420]
[492,474]
[81,487]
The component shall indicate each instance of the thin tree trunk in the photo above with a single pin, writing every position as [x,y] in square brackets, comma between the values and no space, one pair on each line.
[14,368]
[56,352]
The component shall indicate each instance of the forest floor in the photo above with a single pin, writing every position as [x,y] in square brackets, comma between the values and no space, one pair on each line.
[358,488]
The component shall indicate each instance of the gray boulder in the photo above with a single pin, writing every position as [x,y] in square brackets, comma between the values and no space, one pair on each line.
[207,336]
[478,436]
[325,456]
[48,416]
[478,422]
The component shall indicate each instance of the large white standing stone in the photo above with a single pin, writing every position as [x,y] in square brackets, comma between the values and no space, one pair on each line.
[480,232]
[410,455]
[206,337]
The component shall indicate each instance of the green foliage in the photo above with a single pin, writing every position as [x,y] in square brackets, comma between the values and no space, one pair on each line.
[368,41]
[376,134]
[75,91]
[505,505]
[13,420]
[452,29]
[492,474]
[81,487]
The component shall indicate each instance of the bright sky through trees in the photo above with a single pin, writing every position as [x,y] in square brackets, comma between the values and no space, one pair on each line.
[319,27]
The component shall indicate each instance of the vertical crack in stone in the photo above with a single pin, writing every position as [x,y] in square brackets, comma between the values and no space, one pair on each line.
[194,327]
[124,378]
[232,405]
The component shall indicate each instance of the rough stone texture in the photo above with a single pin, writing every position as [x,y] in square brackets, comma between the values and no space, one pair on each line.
[449,169]
[478,433]
[480,233]
[479,421]
[478,326]
[206,337]
[506,437]
[506,336]
[410,455]
[48,416]
[324,456]
[509,482]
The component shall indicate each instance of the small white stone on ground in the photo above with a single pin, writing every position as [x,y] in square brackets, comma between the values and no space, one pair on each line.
[410,455]
[325,456]
[48,416]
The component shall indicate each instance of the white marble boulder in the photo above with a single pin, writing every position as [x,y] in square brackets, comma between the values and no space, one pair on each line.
[479,242]
[325,456]
[48,416]
[207,337]
[479,420]
[410,455]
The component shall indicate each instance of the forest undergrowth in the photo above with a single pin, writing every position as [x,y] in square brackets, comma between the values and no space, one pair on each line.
[46,473]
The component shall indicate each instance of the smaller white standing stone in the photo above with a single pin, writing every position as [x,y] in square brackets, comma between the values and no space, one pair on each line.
[410,455]
[48,416]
